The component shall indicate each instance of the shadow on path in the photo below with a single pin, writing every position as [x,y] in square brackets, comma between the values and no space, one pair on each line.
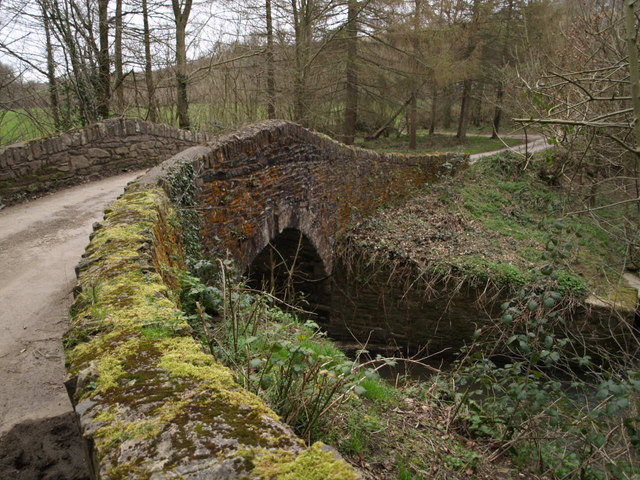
[46,449]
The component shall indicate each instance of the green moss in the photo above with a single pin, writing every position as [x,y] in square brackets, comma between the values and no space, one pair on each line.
[118,431]
[500,273]
[623,297]
[109,371]
[493,224]
[182,357]
[312,464]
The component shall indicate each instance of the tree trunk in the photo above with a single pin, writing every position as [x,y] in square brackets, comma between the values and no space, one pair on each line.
[497,114]
[447,117]
[477,103]
[634,78]
[412,120]
[299,82]
[148,66]
[413,106]
[461,135]
[351,94]
[51,70]
[104,82]
[117,46]
[181,16]
[434,109]
[271,81]
[634,69]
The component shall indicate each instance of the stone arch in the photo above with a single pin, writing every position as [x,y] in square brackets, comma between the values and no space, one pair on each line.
[289,267]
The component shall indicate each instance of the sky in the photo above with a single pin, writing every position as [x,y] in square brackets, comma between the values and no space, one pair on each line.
[21,31]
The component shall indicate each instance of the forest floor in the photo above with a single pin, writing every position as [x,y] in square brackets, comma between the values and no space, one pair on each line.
[498,217]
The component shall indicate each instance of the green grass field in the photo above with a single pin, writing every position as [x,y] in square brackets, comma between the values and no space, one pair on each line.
[27,124]
[21,125]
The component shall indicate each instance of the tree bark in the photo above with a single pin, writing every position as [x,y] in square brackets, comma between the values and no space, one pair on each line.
[497,114]
[271,81]
[461,135]
[103,60]
[181,17]
[463,120]
[477,105]
[447,117]
[299,82]
[634,69]
[434,109]
[51,70]
[351,94]
[148,66]
[413,106]
[117,47]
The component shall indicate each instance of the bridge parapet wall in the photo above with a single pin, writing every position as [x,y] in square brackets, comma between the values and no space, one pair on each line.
[102,149]
[151,403]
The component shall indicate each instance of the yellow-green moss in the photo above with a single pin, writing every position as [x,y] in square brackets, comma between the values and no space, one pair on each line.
[109,371]
[312,464]
[122,235]
[182,357]
[622,298]
[119,431]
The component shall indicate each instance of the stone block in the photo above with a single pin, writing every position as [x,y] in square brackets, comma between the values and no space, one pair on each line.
[63,167]
[35,165]
[97,153]
[79,161]
[36,149]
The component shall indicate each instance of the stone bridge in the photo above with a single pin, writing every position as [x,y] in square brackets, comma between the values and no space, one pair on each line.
[150,402]
[277,176]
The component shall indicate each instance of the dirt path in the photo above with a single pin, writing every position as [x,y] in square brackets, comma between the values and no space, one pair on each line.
[537,143]
[40,244]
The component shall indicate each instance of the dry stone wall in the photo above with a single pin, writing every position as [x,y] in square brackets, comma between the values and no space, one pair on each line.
[102,149]
[151,403]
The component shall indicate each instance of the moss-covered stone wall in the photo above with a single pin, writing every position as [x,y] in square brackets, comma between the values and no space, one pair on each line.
[277,175]
[99,150]
[150,402]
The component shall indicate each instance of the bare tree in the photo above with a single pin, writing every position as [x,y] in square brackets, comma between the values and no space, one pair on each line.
[104,59]
[351,91]
[181,12]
